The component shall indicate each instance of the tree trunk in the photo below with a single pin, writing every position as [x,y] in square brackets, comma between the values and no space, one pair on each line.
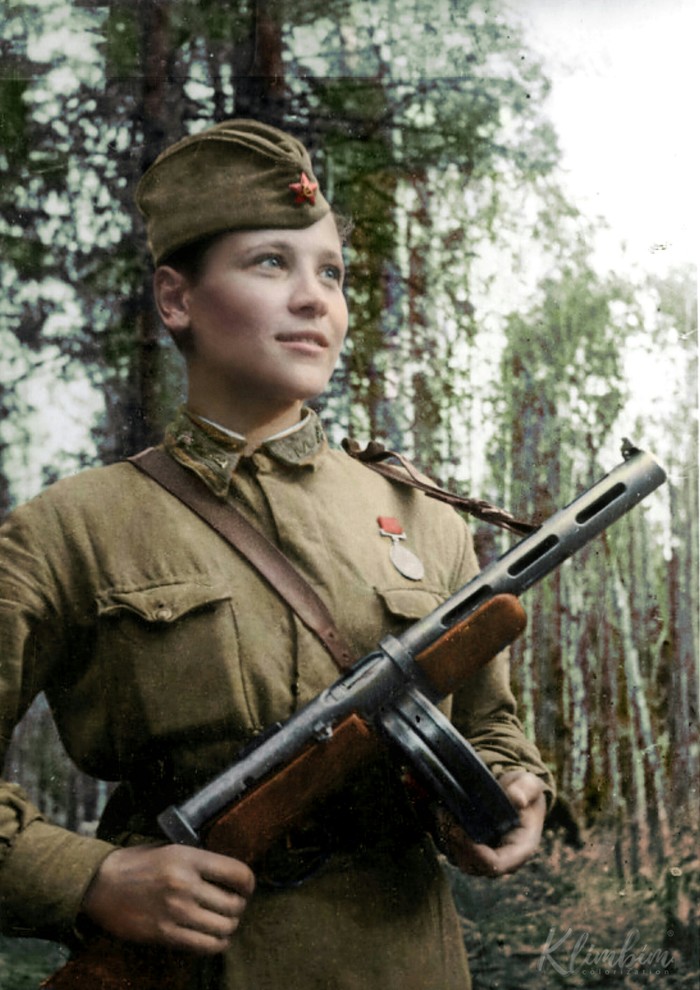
[141,407]
[258,66]
[645,749]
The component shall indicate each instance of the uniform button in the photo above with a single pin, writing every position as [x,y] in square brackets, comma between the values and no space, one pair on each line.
[164,613]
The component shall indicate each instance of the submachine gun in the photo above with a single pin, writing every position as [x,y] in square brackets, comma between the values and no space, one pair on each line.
[388,699]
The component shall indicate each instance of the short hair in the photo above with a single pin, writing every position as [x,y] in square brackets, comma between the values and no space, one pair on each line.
[189,260]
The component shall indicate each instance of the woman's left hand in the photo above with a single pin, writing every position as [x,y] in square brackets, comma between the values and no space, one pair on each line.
[526,793]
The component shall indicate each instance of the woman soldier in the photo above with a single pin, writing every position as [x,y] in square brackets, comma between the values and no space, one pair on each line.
[162,652]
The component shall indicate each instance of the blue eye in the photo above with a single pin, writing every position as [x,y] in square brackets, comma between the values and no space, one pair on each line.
[270,261]
[333,272]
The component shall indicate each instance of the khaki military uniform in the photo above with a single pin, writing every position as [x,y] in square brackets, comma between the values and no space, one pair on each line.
[161,652]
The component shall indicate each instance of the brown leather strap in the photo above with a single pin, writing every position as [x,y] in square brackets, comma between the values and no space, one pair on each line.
[374,456]
[264,556]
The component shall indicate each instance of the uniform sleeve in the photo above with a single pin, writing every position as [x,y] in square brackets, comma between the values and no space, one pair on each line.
[484,710]
[44,869]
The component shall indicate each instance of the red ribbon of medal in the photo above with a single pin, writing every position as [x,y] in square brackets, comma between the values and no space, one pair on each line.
[403,559]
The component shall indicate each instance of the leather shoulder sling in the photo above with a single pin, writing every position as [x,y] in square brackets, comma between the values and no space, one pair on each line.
[263,555]
[376,457]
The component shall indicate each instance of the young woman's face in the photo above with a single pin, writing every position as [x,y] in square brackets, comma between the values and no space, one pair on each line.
[266,319]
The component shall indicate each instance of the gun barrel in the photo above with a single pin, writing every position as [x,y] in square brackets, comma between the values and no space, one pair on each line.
[534,557]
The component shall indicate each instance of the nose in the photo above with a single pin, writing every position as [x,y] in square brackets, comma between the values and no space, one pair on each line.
[307,294]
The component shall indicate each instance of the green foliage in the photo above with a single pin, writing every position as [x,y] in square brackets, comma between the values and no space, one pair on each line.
[564,386]
[122,44]
[214,21]
[24,963]
[13,118]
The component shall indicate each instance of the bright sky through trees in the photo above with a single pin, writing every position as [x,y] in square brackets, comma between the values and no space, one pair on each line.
[624,73]
[624,76]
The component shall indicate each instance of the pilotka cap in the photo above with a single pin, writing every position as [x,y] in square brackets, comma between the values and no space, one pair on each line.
[237,175]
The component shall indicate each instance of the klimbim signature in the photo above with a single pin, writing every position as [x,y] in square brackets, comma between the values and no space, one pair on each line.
[574,954]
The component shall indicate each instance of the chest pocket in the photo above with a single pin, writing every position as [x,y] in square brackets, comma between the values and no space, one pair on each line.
[169,662]
[410,603]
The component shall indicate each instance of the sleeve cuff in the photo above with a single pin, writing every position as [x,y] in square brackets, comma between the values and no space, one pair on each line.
[44,878]
[500,766]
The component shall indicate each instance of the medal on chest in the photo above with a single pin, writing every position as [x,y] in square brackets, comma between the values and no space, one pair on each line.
[404,560]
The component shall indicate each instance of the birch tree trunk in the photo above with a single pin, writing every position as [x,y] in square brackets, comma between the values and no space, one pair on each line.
[644,741]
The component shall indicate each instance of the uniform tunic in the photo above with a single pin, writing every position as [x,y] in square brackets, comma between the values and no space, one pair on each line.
[161,652]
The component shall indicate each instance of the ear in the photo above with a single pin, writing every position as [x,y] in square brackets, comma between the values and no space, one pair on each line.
[171,292]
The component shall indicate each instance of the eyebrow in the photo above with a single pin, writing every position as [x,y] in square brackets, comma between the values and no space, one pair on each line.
[280,244]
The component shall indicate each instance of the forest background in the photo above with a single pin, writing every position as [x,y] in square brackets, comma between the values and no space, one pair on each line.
[486,341]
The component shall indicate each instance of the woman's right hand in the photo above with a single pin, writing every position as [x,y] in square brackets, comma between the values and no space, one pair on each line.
[176,896]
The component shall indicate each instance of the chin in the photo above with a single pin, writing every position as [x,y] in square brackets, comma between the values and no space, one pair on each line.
[306,389]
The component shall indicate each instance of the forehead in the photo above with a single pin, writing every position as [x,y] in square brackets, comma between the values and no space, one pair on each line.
[320,236]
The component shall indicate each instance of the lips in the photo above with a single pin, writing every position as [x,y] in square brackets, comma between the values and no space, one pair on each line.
[312,337]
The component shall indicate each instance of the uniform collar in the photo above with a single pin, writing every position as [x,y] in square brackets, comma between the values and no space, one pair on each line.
[215,454]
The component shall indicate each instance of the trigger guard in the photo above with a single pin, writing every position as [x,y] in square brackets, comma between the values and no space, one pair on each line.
[448,767]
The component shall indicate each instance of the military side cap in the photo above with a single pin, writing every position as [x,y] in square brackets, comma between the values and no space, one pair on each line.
[237,175]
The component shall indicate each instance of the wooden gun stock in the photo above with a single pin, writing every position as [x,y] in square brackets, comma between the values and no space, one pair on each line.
[253,824]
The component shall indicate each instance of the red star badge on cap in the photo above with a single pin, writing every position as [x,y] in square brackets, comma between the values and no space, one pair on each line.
[304,190]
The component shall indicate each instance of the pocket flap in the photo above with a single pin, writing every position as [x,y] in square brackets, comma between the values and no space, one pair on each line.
[161,603]
[410,603]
